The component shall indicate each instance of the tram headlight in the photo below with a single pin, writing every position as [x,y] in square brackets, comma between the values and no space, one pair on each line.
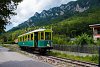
[48,45]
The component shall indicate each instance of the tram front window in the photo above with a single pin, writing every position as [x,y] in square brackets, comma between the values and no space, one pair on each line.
[47,35]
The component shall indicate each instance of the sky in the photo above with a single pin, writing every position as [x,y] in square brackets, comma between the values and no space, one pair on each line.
[27,9]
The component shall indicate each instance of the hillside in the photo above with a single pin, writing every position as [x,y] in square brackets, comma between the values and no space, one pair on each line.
[64,30]
[57,14]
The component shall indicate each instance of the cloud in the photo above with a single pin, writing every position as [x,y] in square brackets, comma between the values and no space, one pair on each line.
[27,8]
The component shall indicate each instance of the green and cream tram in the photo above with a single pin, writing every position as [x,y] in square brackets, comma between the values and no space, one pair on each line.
[40,39]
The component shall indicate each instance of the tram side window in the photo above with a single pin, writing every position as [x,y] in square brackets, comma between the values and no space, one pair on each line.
[23,38]
[42,35]
[39,34]
[28,37]
[31,36]
[20,38]
[47,35]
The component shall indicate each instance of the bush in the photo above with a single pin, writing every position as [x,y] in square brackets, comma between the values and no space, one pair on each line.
[97,42]
[60,39]
[84,39]
[9,42]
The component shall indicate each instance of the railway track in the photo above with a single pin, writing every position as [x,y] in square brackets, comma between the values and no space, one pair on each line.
[79,63]
[56,60]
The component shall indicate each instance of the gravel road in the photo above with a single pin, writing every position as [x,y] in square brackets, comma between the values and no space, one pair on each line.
[14,59]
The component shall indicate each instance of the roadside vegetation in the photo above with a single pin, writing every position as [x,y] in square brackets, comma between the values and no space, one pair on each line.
[12,47]
[91,59]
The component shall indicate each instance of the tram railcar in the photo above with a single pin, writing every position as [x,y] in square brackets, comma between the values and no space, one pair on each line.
[40,39]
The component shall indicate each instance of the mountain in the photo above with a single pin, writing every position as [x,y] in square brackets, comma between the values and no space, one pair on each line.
[57,14]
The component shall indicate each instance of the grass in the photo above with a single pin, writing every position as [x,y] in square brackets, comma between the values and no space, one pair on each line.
[11,47]
[91,59]
[3,45]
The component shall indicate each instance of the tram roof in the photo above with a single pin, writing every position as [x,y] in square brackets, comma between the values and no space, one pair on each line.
[38,30]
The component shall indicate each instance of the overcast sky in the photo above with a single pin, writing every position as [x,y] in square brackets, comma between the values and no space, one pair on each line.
[27,8]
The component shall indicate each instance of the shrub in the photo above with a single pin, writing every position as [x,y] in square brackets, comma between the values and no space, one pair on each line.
[9,42]
[58,39]
[84,39]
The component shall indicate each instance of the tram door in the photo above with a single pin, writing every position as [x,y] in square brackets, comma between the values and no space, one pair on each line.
[36,39]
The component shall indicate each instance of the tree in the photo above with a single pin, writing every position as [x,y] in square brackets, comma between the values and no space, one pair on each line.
[7,8]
